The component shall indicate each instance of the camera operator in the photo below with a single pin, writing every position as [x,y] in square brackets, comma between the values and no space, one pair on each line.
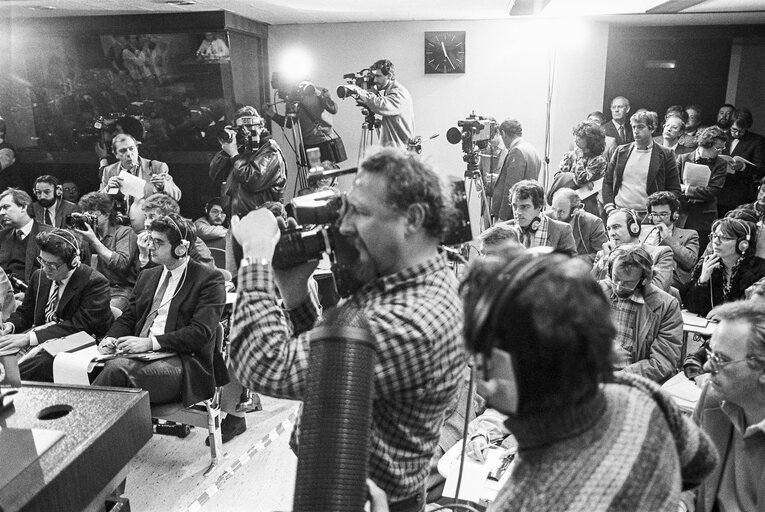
[315,126]
[392,101]
[394,216]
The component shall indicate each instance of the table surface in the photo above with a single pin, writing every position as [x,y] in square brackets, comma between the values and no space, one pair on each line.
[103,432]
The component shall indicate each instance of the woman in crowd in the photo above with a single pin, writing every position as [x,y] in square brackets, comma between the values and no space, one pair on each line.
[586,164]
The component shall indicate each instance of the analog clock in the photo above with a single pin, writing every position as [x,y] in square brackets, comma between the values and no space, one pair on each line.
[445,52]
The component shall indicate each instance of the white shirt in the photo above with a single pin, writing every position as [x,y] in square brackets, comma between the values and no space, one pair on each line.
[177,275]
[26,229]
[632,193]
[733,145]
[32,336]
[52,211]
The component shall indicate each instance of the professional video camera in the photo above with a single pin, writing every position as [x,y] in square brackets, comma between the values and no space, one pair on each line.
[85,138]
[364,79]
[79,220]
[475,134]
[291,92]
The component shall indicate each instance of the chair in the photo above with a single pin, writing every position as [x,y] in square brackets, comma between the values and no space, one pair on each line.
[205,414]
[218,251]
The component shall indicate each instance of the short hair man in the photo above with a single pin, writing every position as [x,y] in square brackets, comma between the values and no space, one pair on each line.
[619,127]
[175,306]
[18,239]
[51,208]
[392,101]
[64,297]
[623,228]
[522,162]
[70,191]
[664,210]
[396,213]
[671,130]
[496,236]
[750,146]
[649,325]
[588,229]
[210,227]
[725,117]
[153,172]
[538,320]
[640,168]
[537,229]
[116,246]
[732,409]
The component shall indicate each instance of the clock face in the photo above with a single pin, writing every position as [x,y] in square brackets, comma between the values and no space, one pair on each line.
[445,52]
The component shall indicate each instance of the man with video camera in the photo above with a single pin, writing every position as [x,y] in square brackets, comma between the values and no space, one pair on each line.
[392,101]
[394,216]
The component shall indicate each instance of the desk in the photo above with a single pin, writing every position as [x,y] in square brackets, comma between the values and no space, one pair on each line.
[696,325]
[103,432]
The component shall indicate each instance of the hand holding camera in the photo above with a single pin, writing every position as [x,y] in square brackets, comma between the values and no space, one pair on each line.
[114,183]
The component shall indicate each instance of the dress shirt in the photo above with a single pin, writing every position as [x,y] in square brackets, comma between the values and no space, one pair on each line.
[61,287]
[52,212]
[176,277]
[25,230]
[733,145]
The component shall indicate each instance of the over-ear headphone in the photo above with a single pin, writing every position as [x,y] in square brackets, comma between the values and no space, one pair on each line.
[182,249]
[633,224]
[742,244]
[534,224]
[74,262]
[624,250]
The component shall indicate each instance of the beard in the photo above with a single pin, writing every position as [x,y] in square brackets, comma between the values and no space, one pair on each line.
[725,123]
[47,203]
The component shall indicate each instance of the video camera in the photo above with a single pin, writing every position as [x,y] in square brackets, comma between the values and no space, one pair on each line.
[291,92]
[364,79]
[79,220]
[475,134]
[84,138]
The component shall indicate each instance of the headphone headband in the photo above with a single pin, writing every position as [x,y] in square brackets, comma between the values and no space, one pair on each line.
[182,248]
[75,245]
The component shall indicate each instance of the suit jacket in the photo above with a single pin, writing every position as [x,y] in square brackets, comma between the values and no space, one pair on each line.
[700,203]
[63,208]
[684,244]
[521,163]
[662,172]
[192,319]
[8,238]
[610,131]
[663,266]
[589,234]
[84,305]
[559,235]
[678,150]
[719,428]
[739,187]
[146,169]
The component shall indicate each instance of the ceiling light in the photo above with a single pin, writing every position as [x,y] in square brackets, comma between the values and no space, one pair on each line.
[598,7]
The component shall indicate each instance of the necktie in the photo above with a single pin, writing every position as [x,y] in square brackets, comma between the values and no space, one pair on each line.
[621,135]
[19,235]
[48,220]
[155,305]
[50,307]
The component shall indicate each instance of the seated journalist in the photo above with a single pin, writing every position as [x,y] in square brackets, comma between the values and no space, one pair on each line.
[64,297]
[175,306]
[394,215]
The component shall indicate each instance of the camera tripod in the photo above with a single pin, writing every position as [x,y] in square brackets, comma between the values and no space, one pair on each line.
[473,175]
[369,128]
[296,143]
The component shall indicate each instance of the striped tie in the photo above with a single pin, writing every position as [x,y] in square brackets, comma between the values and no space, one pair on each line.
[50,307]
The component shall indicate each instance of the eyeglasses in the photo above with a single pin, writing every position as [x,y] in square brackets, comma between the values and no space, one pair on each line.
[49,264]
[718,237]
[736,130]
[716,362]
[662,215]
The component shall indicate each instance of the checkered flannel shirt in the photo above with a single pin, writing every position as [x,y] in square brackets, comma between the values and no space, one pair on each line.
[624,315]
[416,317]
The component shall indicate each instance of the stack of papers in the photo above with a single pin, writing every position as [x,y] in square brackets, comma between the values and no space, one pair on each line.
[683,391]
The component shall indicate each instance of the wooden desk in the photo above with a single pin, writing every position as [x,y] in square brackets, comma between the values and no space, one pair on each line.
[103,432]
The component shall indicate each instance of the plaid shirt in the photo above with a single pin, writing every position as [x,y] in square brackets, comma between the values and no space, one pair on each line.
[624,315]
[536,238]
[416,317]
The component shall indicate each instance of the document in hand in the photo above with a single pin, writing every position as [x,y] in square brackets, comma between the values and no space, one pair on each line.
[735,159]
[132,185]
[696,175]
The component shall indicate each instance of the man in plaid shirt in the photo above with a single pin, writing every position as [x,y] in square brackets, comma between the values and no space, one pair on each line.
[395,215]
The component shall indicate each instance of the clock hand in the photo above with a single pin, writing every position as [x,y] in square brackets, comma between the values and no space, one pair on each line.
[447,55]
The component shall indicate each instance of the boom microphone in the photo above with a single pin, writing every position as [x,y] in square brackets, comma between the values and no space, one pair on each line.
[321,174]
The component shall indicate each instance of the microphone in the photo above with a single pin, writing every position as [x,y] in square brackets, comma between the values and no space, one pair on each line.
[337,409]
[321,173]
[453,254]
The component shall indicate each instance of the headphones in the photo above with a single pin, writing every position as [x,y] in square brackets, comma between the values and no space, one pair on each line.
[534,224]
[742,244]
[624,250]
[74,262]
[182,249]
[633,224]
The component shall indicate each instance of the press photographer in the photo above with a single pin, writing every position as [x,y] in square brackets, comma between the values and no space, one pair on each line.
[311,106]
[389,99]
[395,215]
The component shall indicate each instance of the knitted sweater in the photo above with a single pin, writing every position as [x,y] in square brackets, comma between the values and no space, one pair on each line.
[626,449]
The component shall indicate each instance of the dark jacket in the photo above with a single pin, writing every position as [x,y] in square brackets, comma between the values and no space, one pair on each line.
[700,203]
[521,163]
[610,131]
[8,238]
[739,186]
[589,234]
[84,305]
[192,319]
[662,172]
[698,298]
[64,208]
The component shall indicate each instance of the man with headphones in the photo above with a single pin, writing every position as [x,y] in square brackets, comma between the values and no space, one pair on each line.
[51,208]
[588,230]
[212,225]
[648,321]
[175,307]
[623,227]
[64,297]
[392,101]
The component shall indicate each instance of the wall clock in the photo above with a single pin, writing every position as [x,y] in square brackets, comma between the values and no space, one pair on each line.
[445,52]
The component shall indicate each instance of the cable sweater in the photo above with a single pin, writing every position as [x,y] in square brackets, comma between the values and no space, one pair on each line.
[626,449]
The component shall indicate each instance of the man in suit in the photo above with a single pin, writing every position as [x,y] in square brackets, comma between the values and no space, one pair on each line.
[51,208]
[153,172]
[18,244]
[639,169]
[64,297]
[619,128]
[623,228]
[664,210]
[527,198]
[739,182]
[522,162]
[175,307]
[588,229]
[731,410]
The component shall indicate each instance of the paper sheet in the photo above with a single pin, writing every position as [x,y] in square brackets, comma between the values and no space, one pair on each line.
[73,367]
[132,185]
[475,485]
[735,159]
[683,391]
[696,175]
[590,189]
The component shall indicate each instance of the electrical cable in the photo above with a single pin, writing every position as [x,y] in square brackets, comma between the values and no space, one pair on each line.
[468,408]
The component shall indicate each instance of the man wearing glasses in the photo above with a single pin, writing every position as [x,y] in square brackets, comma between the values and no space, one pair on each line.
[731,410]
[663,211]
[64,297]
[739,183]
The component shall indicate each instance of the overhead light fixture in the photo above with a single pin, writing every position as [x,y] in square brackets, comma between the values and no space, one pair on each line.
[598,7]
[180,2]
[42,8]
[660,64]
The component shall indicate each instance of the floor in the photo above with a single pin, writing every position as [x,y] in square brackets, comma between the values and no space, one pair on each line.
[258,473]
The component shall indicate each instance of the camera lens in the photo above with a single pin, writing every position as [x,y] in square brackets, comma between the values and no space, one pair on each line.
[296,247]
[343,91]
